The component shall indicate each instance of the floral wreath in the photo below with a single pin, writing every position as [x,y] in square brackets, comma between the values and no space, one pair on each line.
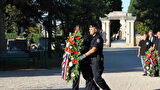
[152,63]
[70,64]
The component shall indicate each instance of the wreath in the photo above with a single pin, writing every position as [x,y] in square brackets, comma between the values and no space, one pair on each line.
[151,62]
[70,64]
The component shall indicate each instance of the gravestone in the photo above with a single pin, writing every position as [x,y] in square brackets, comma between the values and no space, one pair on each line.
[43,43]
[18,45]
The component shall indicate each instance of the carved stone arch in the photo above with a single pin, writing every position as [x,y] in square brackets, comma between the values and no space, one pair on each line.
[127,25]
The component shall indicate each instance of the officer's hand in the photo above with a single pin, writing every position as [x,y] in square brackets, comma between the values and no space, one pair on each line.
[82,57]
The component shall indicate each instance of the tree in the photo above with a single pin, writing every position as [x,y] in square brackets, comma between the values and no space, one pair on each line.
[29,13]
[2,31]
[147,10]
[131,8]
[11,18]
[115,5]
[23,13]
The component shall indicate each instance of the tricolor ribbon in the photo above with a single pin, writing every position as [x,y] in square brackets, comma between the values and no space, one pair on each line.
[65,66]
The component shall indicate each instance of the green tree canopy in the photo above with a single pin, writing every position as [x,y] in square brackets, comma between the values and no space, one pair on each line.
[131,8]
[148,14]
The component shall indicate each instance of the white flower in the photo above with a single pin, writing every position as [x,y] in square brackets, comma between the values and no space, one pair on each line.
[70,47]
[68,44]
[72,58]
[70,64]
[73,75]
[147,67]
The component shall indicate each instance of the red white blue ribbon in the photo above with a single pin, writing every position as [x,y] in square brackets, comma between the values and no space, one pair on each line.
[65,66]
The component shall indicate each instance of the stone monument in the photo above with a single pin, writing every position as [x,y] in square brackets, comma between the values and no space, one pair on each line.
[127,27]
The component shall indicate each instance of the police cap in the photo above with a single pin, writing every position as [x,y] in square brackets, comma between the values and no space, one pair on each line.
[93,25]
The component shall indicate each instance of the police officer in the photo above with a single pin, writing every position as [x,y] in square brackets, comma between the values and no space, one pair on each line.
[157,46]
[96,55]
[85,68]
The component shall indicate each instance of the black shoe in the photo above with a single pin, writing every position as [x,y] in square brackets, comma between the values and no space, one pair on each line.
[144,74]
[156,75]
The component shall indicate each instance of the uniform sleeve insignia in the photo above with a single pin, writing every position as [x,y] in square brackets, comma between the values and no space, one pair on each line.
[98,40]
[147,43]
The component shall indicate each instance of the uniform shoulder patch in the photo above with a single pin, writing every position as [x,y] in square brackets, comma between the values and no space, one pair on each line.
[98,40]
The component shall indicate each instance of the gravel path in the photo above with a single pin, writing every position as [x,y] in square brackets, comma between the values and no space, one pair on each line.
[122,72]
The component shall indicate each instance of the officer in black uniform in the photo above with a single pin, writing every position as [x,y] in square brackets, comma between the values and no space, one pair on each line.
[157,46]
[96,55]
[85,68]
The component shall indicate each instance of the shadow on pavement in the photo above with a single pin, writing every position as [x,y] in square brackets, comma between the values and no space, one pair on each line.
[30,73]
[60,89]
[118,60]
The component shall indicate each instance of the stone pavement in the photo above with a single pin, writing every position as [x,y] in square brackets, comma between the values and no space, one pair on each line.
[122,72]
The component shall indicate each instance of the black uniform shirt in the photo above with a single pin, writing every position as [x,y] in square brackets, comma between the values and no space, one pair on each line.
[86,43]
[157,45]
[145,45]
[97,41]
[152,40]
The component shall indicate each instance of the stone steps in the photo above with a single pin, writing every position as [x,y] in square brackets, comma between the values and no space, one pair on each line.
[118,44]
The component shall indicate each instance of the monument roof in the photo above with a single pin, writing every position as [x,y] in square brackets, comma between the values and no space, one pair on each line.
[118,15]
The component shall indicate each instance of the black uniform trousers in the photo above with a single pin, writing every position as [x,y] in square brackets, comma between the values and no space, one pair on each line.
[87,74]
[97,69]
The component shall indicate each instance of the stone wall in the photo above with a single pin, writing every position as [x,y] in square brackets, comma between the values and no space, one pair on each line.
[138,37]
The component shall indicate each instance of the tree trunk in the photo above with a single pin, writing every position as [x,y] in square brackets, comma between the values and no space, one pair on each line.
[49,27]
[2,33]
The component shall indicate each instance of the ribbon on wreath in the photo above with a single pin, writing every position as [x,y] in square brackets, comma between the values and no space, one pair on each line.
[65,66]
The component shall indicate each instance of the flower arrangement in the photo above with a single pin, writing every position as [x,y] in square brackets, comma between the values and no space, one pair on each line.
[70,63]
[151,61]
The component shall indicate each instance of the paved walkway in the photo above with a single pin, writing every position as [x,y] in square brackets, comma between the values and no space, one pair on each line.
[122,72]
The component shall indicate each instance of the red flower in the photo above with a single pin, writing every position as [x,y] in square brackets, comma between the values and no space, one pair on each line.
[77,37]
[72,42]
[70,51]
[155,53]
[152,57]
[151,49]
[70,39]
[148,55]
[76,52]
[66,48]
[74,61]
[155,61]
[147,62]
[76,30]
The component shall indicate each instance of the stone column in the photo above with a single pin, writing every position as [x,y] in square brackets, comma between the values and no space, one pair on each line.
[132,33]
[127,32]
[123,29]
[104,31]
[108,42]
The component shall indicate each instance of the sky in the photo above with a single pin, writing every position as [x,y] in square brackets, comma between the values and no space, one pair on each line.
[125,4]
